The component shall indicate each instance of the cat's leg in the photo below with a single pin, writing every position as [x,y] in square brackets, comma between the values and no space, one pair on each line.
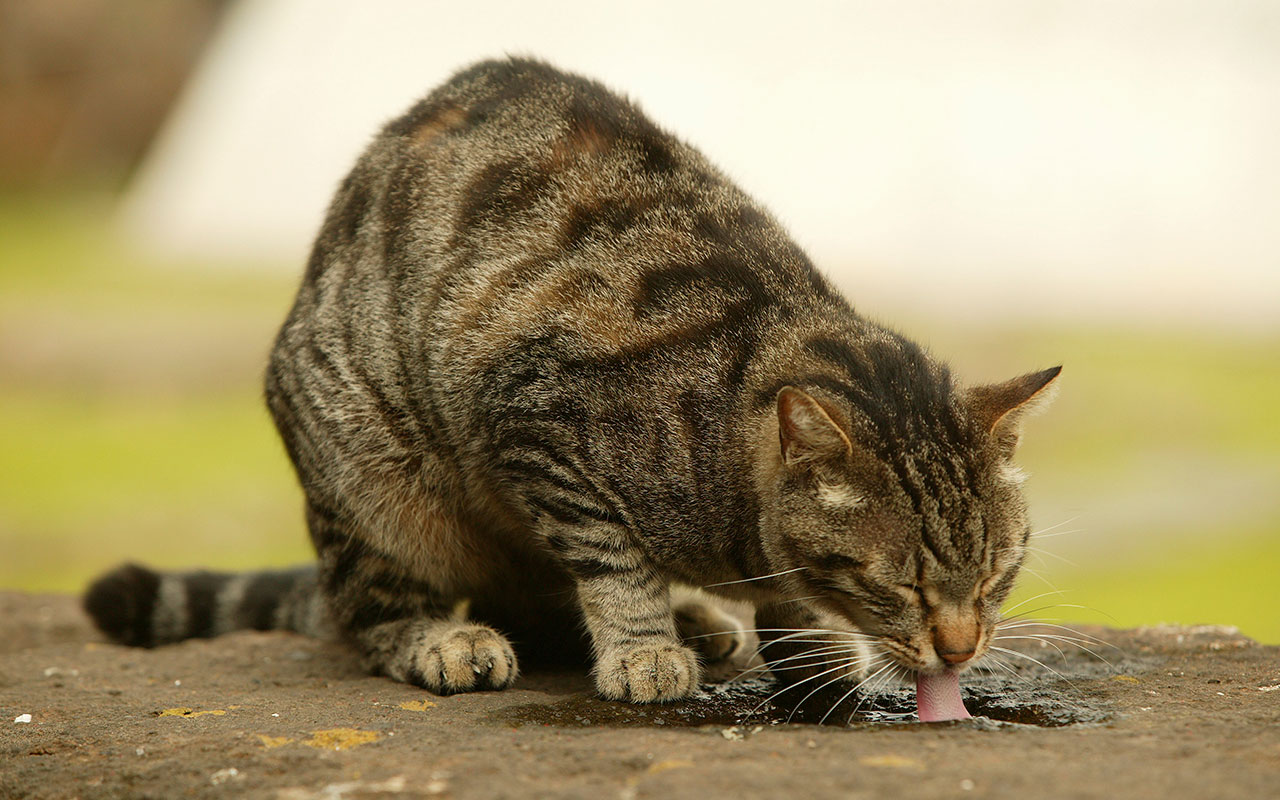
[404,628]
[626,604]
[705,626]
[715,631]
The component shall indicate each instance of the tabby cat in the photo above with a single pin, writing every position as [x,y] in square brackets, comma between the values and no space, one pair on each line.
[546,362]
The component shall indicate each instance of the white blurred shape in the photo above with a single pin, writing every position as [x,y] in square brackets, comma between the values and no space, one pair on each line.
[1026,157]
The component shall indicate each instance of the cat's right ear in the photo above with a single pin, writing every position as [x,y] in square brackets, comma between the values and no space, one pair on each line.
[806,432]
[1000,408]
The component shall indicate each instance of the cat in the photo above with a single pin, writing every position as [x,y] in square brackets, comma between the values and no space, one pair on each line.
[546,363]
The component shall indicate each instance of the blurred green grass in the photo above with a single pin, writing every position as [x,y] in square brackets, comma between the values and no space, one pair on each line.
[132,428]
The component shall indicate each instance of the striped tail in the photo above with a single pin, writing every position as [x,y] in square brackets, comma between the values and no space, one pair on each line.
[140,607]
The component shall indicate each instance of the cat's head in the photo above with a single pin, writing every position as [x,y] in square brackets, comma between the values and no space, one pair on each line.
[903,514]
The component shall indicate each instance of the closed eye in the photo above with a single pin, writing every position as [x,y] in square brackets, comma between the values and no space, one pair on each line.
[837,562]
[997,585]
[987,585]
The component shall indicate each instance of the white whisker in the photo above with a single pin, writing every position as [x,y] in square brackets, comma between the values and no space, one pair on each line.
[811,694]
[1041,552]
[1043,531]
[1035,638]
[859,685]
[798,600]
[1067,628]
[1031,600]
[1033,660]
[789,687]
[1050,638]
[758,578]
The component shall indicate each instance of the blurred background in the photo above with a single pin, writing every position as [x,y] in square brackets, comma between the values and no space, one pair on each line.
[1016,184]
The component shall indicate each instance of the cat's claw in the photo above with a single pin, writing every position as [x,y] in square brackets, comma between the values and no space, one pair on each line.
[647,673]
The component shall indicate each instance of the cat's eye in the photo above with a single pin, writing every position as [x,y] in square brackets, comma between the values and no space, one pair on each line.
[986,586]
[837,562]
[913,591]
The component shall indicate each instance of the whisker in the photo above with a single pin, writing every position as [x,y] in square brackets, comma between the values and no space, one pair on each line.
[796,631]
[785,689]
[798,599]
[1043,531]
[1060,605]
[1067,628]
[825,660]
[819,656]
[817,665]
[1049,638]
[1021,615]
[1035,573]
[1036,638]
[1033,660]
[1031,600]
[757,578]
[791,632]
[859,685]
[1040,551]
[811,694]
[1059,533]
[811,641]
[901,674]
[773,669]
[825,637]
[997,661]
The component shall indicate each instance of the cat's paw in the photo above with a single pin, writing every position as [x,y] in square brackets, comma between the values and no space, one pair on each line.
[467,658]
[708,629]
[652,673]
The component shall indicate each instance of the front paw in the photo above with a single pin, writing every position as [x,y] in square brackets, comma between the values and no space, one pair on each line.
[651,673]
[465,659]
[710,630]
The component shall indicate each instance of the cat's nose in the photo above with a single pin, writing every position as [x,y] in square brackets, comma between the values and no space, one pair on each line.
[956,640]
[956,658]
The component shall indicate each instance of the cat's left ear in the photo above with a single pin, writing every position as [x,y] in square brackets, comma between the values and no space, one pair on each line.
[1000,408]
[806,432]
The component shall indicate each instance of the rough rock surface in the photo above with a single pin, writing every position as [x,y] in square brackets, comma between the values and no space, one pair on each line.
[1173,712]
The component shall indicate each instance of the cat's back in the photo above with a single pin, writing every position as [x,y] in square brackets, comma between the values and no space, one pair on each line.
[516,198]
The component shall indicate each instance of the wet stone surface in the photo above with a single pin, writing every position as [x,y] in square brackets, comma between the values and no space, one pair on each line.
[1172,712]
[758,701]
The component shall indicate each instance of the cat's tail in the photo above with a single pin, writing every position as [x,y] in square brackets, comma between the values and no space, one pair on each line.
[138,606]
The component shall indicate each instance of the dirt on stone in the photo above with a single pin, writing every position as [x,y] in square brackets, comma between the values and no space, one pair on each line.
[1156,713]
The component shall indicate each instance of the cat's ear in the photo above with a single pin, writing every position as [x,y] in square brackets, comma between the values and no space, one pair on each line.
[806,432]
[1000,408]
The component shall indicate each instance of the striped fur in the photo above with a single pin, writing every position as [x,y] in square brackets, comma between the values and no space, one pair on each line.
[546,362]
[143,608]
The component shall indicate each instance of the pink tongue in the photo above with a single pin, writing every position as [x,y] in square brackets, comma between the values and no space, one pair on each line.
[938,697]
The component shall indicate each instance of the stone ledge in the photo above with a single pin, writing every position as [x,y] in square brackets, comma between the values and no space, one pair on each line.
[1180,712]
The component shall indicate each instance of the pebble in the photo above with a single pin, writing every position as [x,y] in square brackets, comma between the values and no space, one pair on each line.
[224,775]
[22,718]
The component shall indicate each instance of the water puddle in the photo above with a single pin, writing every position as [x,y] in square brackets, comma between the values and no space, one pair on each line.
[992,700]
